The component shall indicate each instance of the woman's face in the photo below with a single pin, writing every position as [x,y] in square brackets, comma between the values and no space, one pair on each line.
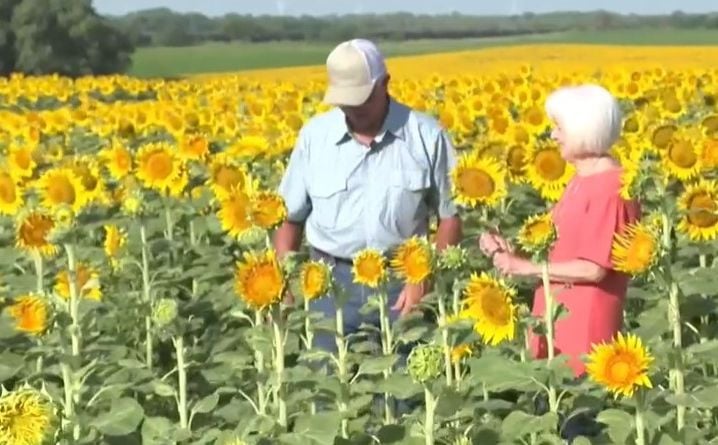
[557,134]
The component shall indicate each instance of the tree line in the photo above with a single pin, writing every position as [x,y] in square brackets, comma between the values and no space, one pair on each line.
[69,37]
[163,27]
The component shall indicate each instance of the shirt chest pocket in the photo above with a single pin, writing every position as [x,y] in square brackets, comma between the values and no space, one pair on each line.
[331,202]
[407,200]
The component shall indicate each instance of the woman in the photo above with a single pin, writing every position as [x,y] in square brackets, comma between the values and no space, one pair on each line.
[587,122]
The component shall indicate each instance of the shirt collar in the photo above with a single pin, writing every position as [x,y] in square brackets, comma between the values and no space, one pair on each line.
[393,123]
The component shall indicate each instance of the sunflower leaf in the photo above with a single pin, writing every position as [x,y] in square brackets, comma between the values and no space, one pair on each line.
[123,418]
[620,424]
[519,424]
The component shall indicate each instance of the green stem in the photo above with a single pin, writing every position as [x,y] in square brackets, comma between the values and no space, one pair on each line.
[675,319]
[429,419]
[548,318]
[193,242]
[342,371]
[640,424]
[39,272]
[259,364]
[68,373]
[279,365]
[445,340]
[308,331]
[387,348]
[146,295]
[182,382]
[169,233]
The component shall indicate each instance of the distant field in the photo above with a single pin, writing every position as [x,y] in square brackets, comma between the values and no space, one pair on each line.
[219,58]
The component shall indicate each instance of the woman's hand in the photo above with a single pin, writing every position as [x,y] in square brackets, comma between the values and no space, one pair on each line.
[491,243]
[509,264]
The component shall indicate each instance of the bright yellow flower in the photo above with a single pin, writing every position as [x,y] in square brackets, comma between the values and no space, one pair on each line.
[158,167]
[314,279]
[478,180]
[259,280]
[636,249]
[31,314]
[32,232]
[537,233]
[620,366]
[268,209]
[11,194]
[412,260]
[62,187]
[26,418]
[488,303]
[699,204]
[547,171]
[369,268]
[118,160]
[87,283]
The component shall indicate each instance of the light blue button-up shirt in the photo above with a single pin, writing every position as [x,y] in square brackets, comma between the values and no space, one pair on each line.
[351,196]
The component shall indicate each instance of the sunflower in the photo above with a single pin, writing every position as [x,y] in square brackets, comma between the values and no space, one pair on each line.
[92,181]
[547,171]
[117,159]
[314,279]
[537,234]
[268,209]
[115,240]
[620,366]
[258,279]
[708,157]
[680,159]
[369,268]
[412,260]
[11,194]
[60,187]
[699,203]
[32,233]
[460,352]
[26,417]
[21,162]
[225,177]
[234,215]
[488,303]
[709,124]
[630,176]
[662,134]
[158,167]
[635,249]
[31,314]
[87,283]
[516,163]
[194,148]
[478,180]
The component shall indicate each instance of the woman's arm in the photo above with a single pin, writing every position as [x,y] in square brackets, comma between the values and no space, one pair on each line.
[573,271]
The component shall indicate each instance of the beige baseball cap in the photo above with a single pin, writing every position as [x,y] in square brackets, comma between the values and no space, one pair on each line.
[353,68]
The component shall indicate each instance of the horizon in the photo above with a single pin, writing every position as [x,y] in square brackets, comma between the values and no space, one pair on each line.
[322,8]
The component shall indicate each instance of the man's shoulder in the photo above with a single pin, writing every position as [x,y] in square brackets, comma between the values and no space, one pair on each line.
[321,122]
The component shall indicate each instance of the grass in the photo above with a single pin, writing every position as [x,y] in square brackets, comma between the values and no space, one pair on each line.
[229,57]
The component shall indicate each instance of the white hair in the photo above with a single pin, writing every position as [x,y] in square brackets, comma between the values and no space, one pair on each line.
[590,118]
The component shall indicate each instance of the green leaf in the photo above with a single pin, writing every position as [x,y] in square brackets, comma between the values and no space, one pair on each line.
[319,429]
[123,418]
[519,424]
[206,404]
[703,398]
[10,364]
[156,430]
[163,389]
[400,386]
[619,423]
[377,365]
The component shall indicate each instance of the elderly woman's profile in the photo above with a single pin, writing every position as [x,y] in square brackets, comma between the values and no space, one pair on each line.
[586,122]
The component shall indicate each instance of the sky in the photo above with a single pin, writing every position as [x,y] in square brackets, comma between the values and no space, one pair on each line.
[480,7]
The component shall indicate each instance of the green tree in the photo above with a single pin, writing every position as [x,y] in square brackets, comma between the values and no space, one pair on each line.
[7,37]
[66,37]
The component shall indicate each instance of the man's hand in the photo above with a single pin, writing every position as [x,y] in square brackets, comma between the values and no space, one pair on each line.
[409,297]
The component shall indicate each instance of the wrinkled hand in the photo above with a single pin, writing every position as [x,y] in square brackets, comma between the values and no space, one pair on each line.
[490,243]
[409,297]
[509,264]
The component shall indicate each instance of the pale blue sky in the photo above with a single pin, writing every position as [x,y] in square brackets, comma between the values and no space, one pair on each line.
[482,7]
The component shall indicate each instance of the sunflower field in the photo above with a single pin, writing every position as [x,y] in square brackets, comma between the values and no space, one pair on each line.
[142,302]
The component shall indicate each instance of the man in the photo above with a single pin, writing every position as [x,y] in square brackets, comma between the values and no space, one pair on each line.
[368,173]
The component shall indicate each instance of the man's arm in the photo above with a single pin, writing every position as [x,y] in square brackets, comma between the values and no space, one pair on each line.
[449,227]
[293,189]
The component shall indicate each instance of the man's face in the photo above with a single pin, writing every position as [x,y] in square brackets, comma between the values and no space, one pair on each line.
[366,114]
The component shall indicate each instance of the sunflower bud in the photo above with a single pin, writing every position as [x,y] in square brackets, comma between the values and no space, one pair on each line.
[453,258]
[164,312]
[64,223]
[537,236]
[425,363]
[132,204]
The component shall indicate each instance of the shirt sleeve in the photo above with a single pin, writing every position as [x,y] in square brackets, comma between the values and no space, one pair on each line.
[444,161]
[293,186]
[605,216]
